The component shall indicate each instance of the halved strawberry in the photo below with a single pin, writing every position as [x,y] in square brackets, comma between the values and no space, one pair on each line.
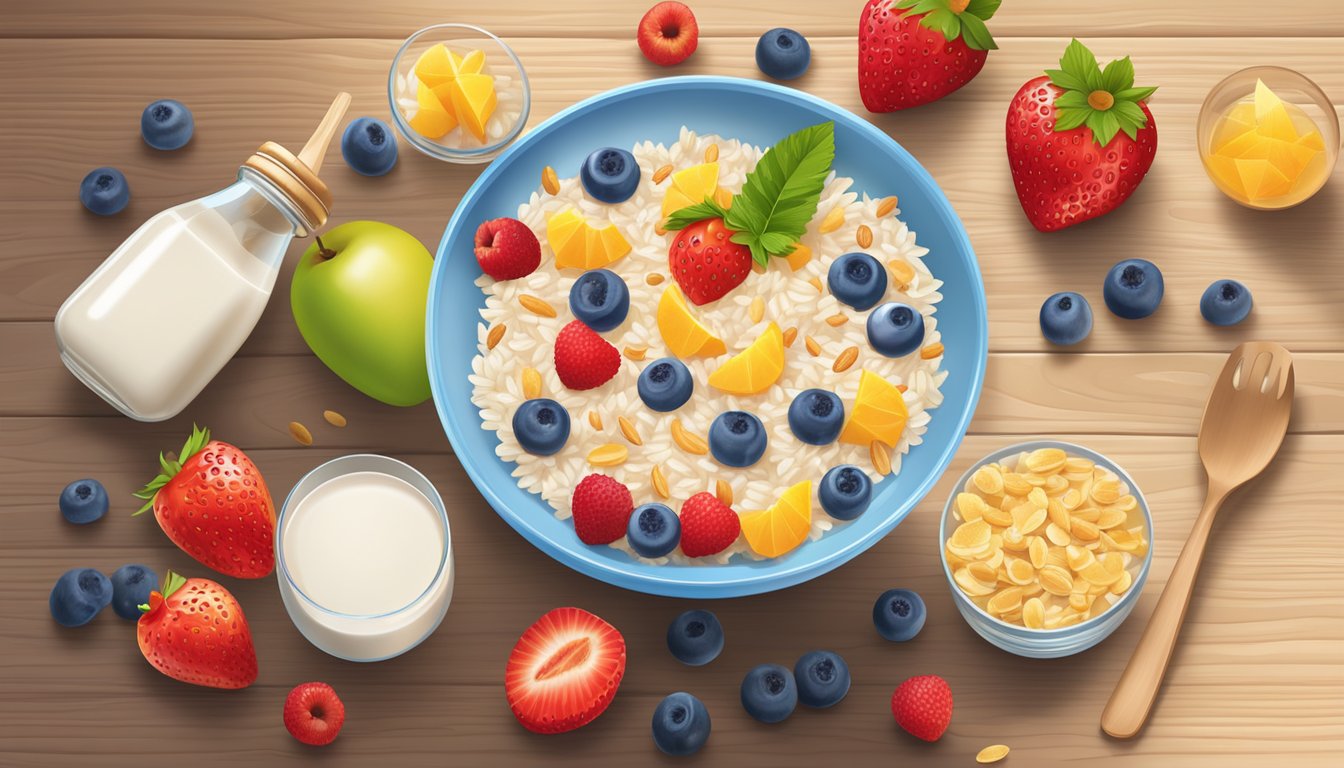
[564,671]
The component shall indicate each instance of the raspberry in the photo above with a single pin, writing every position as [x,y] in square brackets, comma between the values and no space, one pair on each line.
[583,359]
[602,508]
[708,526]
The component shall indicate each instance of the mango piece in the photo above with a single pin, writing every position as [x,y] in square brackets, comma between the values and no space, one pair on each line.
[782,527]
[754,369]
[474,100]
[431,120]
[690,186]
[683,334]
[578,244]
[1224,171]
[1261,179]
[878,413]
[1290,158]
[799,257]
[1271,116]
[434,66]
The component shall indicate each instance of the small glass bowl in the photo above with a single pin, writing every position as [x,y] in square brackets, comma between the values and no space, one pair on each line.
[1295,89]
[515,95]
[1045,643]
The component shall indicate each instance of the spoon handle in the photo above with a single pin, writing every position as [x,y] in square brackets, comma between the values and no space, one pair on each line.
[1133,697]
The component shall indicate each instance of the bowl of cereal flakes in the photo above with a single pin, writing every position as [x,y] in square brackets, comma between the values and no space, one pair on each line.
[1046,546]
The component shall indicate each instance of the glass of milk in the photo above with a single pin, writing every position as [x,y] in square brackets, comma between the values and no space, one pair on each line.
[364,557]
[172,304]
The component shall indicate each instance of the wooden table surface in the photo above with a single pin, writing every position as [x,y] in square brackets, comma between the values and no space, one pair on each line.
[1259,673]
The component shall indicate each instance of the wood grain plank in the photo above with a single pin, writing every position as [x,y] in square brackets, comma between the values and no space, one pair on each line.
[1024,392]
[1258,674]
[1176,219]
[618,18]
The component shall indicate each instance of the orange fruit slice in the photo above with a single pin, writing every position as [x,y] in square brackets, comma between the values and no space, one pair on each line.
[782,527]
[692,185]
[431,119]
[754,369]
[579,245]
[681,331]
[878,413]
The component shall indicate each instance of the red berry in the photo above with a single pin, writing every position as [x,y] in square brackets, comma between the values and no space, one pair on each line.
[706,263]
[314,714]
[708,526]
[601,507]
[583,359]
[668,33]
[507,249]
[923,706]
[564,671]
[903,63]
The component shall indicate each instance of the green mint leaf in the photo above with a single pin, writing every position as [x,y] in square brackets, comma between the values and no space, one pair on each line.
[976,34]
[780,195]
[684,217]
[1118,75]
[983,9]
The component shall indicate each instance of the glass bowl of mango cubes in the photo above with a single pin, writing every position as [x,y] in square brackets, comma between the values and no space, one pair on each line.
[458,93]
[1268,136]
[1046,547]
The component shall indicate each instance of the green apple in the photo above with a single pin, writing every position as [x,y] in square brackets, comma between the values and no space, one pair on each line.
[358,296]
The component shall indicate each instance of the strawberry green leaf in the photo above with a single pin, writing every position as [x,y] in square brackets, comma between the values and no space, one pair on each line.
[684,217]
[1103,100]
[172,582]
[955,19]
[780,195]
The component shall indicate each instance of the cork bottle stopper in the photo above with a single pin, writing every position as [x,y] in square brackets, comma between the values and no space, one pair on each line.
[296,175]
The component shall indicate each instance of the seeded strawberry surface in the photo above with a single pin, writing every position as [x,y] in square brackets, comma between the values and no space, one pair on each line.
[196,633]
[914,52]
[706,263]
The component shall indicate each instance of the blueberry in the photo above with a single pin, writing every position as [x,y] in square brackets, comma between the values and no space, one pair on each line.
[105,191]
[737,438]
[1226,302]
[600,299]
[783,54]
[131,585]
[898,615]
[167,124]
[695,638]
[1133,288]
[83,501]
[78,596]
[858,280]
[610,175]
[680,724]
[541,426]
[665,384]
[1066,318]
[895,329]
[654,530]
[816,416]
[769,693]
[368,146]
[822,677]
[845,491]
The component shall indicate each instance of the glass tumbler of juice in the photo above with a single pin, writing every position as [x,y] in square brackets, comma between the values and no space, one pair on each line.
[364,557]
[1268,136]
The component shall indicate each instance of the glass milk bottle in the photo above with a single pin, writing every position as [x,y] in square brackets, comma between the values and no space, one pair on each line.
[164,313]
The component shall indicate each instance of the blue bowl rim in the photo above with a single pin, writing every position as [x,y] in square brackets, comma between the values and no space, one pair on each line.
[766,579]
[1027,634]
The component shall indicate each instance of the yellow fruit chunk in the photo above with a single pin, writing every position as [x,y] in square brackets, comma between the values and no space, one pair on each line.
[782,527]
[1236,122]
[431,119]
[878,413]
[692,185]
[683,334]
[1261,179]
[474,100]
[438,65]
[754,369]
[1313,140]
[1271,115]
[579,245]
[798,257]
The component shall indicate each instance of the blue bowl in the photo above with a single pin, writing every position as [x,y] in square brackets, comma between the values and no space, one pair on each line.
[756,112]
[1046,643]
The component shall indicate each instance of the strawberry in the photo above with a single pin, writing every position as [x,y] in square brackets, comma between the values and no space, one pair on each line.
[507,249]
[564,671]
[921,55]
[314,714]
[923,706]
[213,503]
[195,631]
[601,507]
[667,34]
[1080,139]
[708,526]
[706,263]
[583,359]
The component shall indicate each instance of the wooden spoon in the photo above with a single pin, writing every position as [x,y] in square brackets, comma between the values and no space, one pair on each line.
[1244,424]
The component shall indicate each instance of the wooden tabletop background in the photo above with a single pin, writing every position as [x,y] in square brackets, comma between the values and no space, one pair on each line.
[1259,673]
